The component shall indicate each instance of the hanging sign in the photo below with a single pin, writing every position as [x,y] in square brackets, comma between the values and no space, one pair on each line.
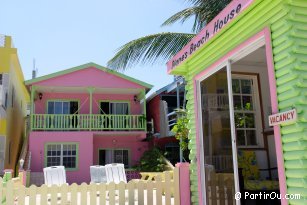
[283,117]
[230,12]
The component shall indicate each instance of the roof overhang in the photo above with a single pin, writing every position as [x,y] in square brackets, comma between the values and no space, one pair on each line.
[84,66]
[54,89]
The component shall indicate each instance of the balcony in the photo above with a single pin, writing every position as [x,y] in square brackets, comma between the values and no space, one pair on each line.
[87,122]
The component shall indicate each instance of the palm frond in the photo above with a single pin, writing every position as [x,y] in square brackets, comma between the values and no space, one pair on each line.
[185,15]
[151,49]
[203,12]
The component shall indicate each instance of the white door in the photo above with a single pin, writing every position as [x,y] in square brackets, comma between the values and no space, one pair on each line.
[2,153]
[219,152]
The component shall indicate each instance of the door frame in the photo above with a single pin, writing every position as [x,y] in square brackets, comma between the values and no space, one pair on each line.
[4,152]
[260,39]
[227,65]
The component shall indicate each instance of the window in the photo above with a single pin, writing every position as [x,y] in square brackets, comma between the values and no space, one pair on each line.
[119,108]
[246,109]
[1,79]
[62,107]
[108,156]
[62,154]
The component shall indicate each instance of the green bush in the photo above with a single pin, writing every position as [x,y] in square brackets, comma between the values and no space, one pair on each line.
[152,161]
[181,130]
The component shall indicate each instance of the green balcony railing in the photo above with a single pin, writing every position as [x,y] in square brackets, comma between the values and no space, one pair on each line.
[87,122]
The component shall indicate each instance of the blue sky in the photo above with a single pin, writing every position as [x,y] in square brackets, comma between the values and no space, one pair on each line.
[63,34]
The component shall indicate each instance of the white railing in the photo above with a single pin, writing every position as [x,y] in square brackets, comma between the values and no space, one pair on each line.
[214,101]
[172,119]
[164,190]
[87,122]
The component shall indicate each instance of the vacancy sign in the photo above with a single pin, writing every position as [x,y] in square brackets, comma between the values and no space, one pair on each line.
[283,117]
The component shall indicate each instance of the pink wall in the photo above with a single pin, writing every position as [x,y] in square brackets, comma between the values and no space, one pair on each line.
[41,105]
[153,111]
[37,142]
[132,143]
[90,77]
[88,149]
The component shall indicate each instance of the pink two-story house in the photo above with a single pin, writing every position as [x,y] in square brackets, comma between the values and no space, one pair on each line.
[86,115]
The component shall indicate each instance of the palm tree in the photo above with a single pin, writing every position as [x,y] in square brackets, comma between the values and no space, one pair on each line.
[159,48]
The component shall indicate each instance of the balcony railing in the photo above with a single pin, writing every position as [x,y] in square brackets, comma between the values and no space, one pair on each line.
[87,122]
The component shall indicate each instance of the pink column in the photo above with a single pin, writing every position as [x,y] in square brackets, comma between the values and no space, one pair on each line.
[23,176]
[184,183]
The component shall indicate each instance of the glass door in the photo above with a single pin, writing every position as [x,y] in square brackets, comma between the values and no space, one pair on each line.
[2,153]
[218,138]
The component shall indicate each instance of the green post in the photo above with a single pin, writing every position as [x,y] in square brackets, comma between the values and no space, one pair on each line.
[33,88]
[90,90]
[144,109]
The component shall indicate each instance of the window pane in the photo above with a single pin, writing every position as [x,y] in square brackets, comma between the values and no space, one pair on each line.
[237,102]
[66,108]
[58,108]
[102,157]
[73,147]
[240,137]
[247,102]
[50,108]
[125,158]
[235,86]
[246,86]
[239,120]
[118,158]
[119,108]
[251,137]
[249,120]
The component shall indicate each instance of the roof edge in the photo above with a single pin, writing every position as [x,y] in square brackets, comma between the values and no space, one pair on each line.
[81,67]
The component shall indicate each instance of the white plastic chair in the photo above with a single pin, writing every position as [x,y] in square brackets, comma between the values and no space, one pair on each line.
[98,174]
[55,175]
[115,173]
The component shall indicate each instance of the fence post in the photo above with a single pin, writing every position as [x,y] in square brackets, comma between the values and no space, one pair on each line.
[28,174]
[184,183]
[22,174]
[8,175]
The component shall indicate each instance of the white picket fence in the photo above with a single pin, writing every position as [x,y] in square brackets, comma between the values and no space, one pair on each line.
[163,191]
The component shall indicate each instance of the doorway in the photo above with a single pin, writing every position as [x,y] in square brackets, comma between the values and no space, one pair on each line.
[2,153]
[233,102]
[218,140]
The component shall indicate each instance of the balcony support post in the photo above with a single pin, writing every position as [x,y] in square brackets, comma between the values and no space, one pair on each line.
[144,109]
[91,90]
[33,89]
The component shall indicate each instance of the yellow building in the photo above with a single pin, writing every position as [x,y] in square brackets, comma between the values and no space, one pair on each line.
[14,99]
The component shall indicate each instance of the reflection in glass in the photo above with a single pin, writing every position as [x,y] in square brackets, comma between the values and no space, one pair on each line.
[246,86]
[217,141]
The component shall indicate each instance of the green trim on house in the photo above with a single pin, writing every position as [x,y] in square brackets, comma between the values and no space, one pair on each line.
[32,104]
[57,143]
[84,66]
